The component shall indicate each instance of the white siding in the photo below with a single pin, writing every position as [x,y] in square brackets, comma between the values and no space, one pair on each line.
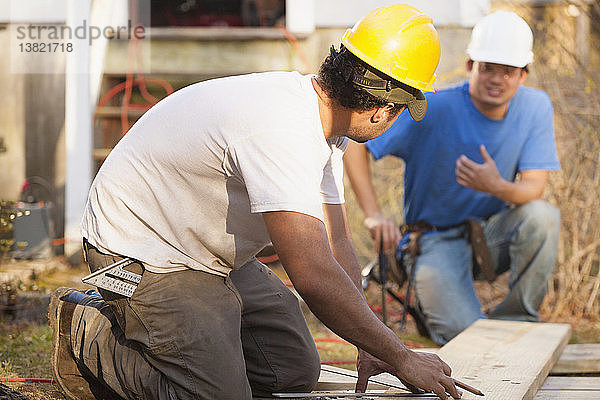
[33,11]
[338,13]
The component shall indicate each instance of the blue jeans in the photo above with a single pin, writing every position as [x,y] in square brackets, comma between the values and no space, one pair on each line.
[522,239]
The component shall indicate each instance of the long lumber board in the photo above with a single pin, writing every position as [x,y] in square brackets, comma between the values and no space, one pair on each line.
[572,383]
[506,360]
[553,388]
[575,359]
[569,388]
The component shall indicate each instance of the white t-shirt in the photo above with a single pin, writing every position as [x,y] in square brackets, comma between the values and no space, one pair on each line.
[185,186]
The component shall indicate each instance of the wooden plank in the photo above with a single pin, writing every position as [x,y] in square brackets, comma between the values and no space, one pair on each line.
[578,358]
[566,395]
[554,387]
[219,33]
[575,359]
[115,112]
[569,387]
[507,360]
[571,383]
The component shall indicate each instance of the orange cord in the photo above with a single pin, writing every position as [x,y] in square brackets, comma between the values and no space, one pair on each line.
[294,42]
[127,86]
[133,51]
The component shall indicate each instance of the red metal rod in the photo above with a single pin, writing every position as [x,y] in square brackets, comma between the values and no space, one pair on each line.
[28,380]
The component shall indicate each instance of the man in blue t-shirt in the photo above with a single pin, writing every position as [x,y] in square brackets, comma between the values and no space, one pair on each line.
[482,152]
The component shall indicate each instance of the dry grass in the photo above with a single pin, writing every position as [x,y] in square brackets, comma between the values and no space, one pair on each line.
[567,67]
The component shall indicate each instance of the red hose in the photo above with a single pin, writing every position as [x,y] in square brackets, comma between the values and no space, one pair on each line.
[28,380]
[127,87]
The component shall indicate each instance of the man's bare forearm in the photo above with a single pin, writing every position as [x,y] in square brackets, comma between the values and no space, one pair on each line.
[383,230]
[357,166]
[530,187]
[340,241]
[302,245]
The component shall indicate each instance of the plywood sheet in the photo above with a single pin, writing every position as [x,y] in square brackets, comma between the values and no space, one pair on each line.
[507,360]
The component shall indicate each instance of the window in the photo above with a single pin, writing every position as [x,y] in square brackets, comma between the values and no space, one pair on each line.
[217,13]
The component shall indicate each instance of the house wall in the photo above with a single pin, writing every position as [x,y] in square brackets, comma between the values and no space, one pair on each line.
[12,126]
[329,13]
[203,57]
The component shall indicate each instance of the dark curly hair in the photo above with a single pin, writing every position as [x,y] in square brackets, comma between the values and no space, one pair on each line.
[335,77]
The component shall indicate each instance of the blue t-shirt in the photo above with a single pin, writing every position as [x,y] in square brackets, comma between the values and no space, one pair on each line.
[522,140]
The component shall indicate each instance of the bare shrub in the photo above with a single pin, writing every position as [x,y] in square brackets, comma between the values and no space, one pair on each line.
[567,68]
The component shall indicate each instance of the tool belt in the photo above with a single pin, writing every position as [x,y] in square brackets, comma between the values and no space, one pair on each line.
[403,269]
[482,261]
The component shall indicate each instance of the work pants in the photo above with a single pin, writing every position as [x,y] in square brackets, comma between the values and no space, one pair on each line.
[522,239]
[193,335]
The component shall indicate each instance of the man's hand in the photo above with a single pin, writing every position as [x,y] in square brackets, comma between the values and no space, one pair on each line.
[385,229]
[481,177]
[420,372]
[356,163]
[368,366]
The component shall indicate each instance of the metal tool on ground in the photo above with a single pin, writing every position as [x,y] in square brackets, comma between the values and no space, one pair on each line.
[348,395]
[115,278]
[352,374]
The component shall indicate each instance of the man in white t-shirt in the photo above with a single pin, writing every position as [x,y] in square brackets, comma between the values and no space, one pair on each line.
[198,186]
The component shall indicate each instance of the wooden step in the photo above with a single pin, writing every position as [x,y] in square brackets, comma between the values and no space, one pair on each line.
[100,154]
[115,112]
[554,387]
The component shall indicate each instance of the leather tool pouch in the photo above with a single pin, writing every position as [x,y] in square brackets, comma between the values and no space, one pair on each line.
[482,260]
[409,245]
[397,270]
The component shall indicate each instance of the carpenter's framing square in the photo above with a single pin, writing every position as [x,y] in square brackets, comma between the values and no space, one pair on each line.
[326,368]
[347,395]
[115,278]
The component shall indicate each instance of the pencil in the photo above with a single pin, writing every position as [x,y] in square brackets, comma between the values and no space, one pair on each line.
[468,388]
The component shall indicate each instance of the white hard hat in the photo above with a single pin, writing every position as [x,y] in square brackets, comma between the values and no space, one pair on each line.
[502,38]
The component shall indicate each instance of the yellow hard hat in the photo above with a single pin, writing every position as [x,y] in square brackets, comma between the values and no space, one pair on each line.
[400,41]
